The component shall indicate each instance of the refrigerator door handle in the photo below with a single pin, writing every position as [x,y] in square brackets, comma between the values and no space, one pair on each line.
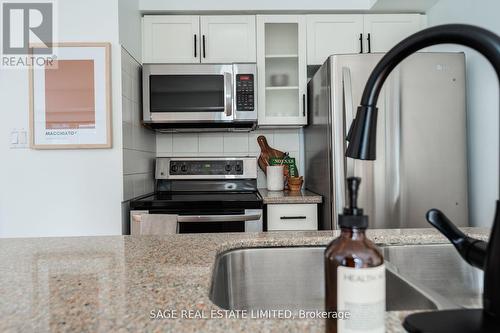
[393,156]
[349,114]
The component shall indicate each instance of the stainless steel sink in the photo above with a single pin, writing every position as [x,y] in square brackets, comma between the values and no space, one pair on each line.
[441,270]
[418,277]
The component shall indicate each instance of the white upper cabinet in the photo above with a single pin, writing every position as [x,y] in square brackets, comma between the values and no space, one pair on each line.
[333,34]
[171,39]
[228,38]
[343,33]
[383,31]
[194,39]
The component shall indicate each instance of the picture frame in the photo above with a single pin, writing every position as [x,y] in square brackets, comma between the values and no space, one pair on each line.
[70,98]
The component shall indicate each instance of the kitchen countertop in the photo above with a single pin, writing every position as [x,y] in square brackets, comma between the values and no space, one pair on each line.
[113,283]
[287,197]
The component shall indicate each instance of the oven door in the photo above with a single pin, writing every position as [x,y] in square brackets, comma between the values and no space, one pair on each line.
[177,93]
[247,220]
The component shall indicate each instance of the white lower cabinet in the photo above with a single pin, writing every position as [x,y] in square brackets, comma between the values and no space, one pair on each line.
[292,217]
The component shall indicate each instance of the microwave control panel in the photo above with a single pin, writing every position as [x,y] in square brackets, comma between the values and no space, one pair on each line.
[245,92]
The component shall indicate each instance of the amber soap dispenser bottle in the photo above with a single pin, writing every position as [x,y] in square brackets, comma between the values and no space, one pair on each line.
[354,274]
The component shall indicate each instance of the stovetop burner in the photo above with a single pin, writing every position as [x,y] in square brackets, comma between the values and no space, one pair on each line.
[201,196]
[198,200]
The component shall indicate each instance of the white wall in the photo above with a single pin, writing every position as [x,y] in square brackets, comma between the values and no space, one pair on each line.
[231,144]
[253,5]
[408,6]
[130,26]
[62,192]
[482,95]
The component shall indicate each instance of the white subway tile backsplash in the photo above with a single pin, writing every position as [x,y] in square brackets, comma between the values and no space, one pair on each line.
[128,187]
[136,111]
[139,183]
[124,60]
[287,140]
[207,154]
[143,139]
[235,142]
[139,143]
[136,161]
[185,143]
[261,178]
[126,110]
[229,144]
[253,146]
[235,154]
[186,154]
[163,143]
[210,143]
[136,85]
[128,86]
[128,142]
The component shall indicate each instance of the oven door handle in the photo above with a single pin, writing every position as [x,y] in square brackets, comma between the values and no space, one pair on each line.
[218,218]
[228,94]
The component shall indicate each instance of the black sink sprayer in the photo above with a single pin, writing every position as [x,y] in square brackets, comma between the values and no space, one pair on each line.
[362,145]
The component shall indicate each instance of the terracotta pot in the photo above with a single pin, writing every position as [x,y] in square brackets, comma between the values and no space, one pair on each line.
[295,187]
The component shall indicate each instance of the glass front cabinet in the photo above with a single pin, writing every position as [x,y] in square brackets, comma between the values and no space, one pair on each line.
[282,70]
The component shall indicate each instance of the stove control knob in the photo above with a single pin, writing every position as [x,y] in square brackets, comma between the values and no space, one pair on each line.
[238,168]
[228,167]
[174,168]
[184,168]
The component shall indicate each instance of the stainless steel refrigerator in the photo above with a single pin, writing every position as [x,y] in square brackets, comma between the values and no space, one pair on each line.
[421,139]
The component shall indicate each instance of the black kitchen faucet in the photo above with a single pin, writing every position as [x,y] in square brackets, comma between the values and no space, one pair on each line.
[362,145]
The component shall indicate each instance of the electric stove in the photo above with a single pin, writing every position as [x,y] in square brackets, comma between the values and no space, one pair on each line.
[216,194]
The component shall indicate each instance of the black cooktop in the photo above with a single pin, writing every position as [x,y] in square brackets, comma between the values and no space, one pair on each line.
[198,200]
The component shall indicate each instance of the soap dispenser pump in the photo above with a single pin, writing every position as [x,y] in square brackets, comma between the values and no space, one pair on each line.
[354,274]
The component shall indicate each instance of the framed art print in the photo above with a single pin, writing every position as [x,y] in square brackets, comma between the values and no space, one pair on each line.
[70,98]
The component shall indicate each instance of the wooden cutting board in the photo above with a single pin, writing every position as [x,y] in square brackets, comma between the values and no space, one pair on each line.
[266,152]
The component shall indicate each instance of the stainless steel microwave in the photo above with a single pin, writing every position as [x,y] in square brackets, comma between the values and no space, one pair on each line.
[184,97]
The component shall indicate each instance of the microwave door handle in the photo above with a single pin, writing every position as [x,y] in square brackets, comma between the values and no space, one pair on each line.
[228,94]
[218,218]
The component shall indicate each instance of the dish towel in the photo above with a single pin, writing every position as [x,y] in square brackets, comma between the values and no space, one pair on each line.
[154,224]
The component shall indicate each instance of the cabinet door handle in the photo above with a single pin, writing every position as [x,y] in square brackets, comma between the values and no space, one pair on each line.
[195,53]
[204,52]
[304,105]
[369,43]
[293,217]
[360,43]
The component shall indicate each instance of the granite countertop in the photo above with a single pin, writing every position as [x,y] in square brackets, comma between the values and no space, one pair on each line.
[287,197]
[102,284]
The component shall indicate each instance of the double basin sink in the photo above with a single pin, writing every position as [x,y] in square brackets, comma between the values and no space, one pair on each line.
[418,277]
